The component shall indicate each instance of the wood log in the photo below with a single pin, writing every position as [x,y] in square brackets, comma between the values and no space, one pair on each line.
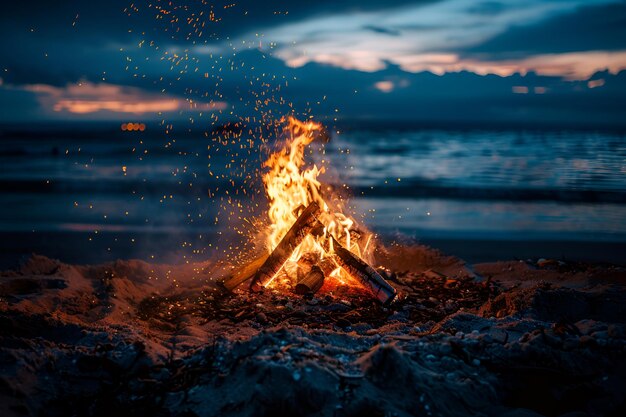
[318,229]
[240,275]
[367,275]
[305,263]
[328,264]
[296,234]
[312,282]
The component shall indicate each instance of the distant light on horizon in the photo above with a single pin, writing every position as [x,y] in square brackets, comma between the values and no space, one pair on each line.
[520,89]
[384,86]
[133,127]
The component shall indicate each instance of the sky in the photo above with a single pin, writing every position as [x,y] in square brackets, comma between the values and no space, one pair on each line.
[557,62]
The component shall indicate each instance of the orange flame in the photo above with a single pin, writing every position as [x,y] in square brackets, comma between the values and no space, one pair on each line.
[290,186]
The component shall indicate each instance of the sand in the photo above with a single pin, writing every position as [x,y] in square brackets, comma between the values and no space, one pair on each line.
[518,338]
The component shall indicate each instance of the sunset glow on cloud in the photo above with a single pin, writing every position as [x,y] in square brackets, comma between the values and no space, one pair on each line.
[425,37]
[86,98]
[575,66]
[88,106]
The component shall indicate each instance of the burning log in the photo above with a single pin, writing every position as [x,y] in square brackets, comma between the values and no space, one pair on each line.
[327,265]
[305,263]
[298,231]
[241,275]
[368,276]
[312,282]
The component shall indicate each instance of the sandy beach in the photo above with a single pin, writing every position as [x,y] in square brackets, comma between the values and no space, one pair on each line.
[517,338]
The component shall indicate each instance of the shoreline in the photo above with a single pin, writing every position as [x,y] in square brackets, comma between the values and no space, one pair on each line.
[130,337]
[75,247]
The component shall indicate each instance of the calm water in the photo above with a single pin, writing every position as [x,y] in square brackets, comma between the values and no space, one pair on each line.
[117,190]
[515,184]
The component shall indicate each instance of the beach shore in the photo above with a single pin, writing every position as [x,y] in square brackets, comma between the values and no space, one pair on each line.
[515,338]
[82,247]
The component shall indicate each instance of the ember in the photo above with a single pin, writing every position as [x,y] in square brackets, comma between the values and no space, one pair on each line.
[321,232]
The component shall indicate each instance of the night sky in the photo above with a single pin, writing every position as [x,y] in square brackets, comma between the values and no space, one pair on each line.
[526,61]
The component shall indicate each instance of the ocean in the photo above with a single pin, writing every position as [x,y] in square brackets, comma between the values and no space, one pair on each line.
[92,192]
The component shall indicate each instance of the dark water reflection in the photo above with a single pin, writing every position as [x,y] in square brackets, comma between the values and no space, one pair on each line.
[490,159]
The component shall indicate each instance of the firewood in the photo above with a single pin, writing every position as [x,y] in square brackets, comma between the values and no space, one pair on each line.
[318,229]
[328,264]
[243,273]
[302,227]
[305,263]
[360,270]
[312,282]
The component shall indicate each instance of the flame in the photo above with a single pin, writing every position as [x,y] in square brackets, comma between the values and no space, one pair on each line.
[290,187]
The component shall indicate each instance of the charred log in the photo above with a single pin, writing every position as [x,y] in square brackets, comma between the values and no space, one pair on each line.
[328,265]
[367,275]
[302,227]
[312,282]
[305,263]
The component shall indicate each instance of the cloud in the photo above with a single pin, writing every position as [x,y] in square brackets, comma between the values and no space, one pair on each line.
[444,35]
[589,28]
[426,37]
[573,66]
[421,97]
[86,98]
[382,30]
[488,8]
[121,20]
[117,106]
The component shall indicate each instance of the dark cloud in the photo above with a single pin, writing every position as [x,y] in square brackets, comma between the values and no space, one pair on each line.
[382,30]
[585,29]
[165,20]
[19,106]
[487,8]
[461,97]
[414,97]
[60,42]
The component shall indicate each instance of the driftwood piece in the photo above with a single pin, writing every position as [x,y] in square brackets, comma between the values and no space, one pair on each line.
[298,231]
[312,282]
[244,273]
[367,275]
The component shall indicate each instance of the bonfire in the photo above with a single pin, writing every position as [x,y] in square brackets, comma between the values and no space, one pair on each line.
[310,238]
